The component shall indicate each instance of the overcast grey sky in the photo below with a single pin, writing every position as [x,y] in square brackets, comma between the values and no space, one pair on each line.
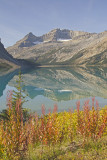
[19,17]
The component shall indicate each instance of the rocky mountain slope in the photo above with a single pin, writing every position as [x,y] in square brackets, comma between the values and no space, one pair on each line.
[6,60]
[64,47]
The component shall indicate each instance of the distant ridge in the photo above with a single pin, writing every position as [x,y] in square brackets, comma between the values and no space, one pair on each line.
[62,47]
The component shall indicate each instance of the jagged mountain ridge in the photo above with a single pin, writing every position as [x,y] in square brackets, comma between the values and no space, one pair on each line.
[55,35]
[64,47]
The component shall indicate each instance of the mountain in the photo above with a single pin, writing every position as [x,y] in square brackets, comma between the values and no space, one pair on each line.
[54,35]
[62,47]
[6,60]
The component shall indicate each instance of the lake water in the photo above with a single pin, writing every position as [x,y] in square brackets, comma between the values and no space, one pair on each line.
[61,86]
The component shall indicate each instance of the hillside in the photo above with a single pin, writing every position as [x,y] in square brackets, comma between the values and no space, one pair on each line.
[62,47]
[6,60]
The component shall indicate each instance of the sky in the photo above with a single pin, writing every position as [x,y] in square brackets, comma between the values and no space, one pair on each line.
[19,17]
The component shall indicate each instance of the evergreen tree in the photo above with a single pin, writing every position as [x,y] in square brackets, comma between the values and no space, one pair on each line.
[18,94]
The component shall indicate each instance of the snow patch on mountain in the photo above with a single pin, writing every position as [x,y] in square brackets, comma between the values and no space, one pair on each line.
[64,40]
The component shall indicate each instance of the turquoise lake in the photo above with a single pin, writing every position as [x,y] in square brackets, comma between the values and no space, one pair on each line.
[61,86]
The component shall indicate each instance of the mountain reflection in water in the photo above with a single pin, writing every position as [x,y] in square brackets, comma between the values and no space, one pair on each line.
[60,86]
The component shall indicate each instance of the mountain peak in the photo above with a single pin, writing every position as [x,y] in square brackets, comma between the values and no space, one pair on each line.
[55,30]
[30,35]
[27,41]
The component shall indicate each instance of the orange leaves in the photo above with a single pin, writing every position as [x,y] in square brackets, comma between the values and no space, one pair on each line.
[90,122]
[53,128]
[13,131]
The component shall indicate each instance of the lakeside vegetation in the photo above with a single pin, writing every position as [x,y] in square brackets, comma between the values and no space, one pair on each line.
[76,135]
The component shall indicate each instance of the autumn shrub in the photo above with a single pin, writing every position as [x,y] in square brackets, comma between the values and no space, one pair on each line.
[91,122]
[13,132]
[52,129]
